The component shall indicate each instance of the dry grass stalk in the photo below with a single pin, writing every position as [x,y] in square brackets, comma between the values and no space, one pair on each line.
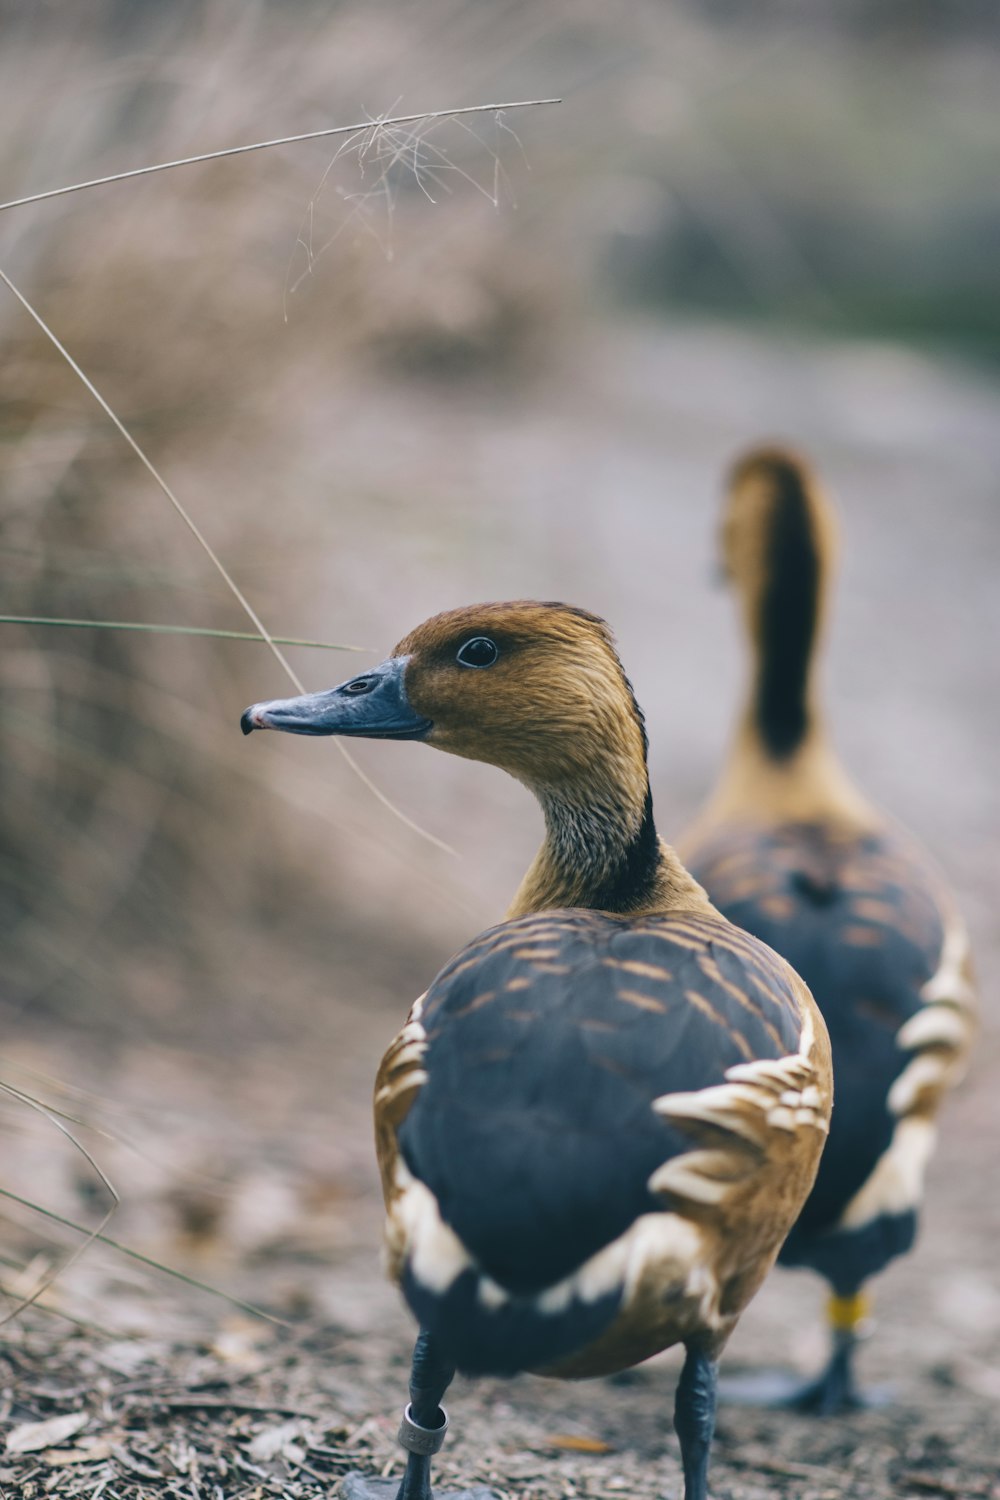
[215,560]
[370,131]
[384,143]
[52,1116]
[146,1260]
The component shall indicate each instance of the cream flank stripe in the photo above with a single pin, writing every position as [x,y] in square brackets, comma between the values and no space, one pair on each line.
[940,1034]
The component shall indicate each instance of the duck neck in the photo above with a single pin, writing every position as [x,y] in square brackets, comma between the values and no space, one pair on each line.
[781,764]
[784,620]
[602,852]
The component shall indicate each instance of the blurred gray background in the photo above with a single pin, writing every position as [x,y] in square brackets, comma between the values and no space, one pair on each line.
[736,226]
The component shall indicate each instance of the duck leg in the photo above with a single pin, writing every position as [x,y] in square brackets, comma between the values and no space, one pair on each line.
[421,1433]
[425,1421]
[834,1390]
[694,1419]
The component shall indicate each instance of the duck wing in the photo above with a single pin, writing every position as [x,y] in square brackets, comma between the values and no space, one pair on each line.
[556,1075]
[868,923]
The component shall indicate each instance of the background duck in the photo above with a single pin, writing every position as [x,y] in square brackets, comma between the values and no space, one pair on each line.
[789,850]
[601,1119]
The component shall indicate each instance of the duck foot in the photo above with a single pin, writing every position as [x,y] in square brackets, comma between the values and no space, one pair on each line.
[355,1486]
[832,1392]
[827,1395]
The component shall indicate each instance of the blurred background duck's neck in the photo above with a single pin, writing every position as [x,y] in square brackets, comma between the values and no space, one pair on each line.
[781,764]
[784,620]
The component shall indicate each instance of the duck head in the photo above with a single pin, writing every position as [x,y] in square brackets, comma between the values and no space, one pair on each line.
[536,689]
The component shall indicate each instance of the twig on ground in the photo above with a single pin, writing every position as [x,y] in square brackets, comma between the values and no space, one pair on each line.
[776,1466]
[932,1484]
[223,1403]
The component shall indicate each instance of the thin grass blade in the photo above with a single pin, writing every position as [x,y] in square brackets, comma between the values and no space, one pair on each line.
[92,1234]
[217,635]
[145,1260]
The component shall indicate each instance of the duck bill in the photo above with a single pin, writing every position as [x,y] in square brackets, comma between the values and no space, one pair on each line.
[372,706]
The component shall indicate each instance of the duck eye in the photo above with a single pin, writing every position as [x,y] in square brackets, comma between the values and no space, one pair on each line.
[479,652]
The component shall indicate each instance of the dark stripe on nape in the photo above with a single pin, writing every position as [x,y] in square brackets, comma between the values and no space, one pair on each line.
[631,882]
[788,613]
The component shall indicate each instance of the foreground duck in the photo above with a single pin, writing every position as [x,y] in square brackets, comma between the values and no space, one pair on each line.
[601,1120]
[789,850]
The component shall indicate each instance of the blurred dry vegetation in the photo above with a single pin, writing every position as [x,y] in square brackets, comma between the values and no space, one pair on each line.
[518,366]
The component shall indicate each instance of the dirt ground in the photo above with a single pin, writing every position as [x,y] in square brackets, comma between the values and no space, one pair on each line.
[183,1395]
[248,1164]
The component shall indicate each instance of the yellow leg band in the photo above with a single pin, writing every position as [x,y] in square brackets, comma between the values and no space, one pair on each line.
[845,1313]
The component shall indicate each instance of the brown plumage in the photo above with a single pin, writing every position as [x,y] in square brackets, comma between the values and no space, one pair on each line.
[788,848]
[601,1118]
